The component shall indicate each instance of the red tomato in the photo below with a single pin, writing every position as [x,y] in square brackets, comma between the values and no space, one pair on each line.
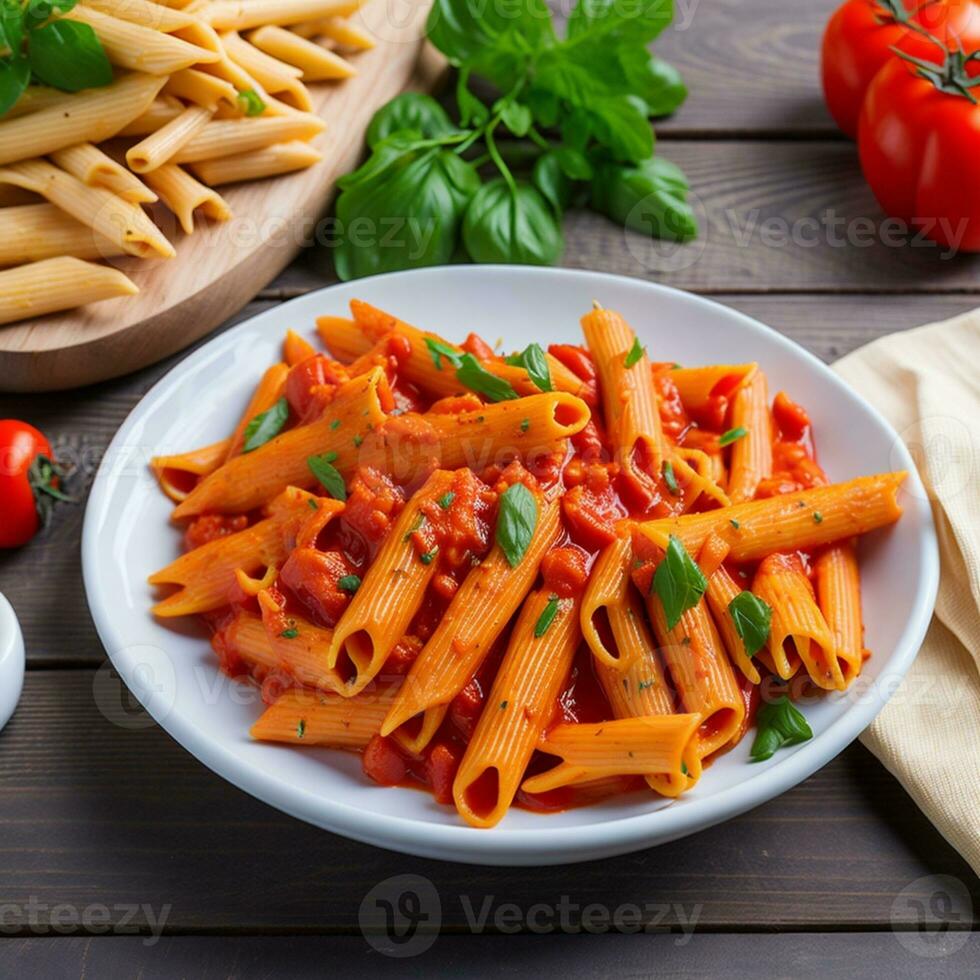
[918,147]
[28,482]
[859,36]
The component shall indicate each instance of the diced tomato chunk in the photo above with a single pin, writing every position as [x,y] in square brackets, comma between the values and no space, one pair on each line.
[792,419]
[564,571]
[383,763]
[373,502]
[441,762]
[465,708]
[479,348]
[210,527]
[310,385]
[312,576]
[577,359]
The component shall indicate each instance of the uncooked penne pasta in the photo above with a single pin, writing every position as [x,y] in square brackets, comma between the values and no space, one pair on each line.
[227,137]
[57,284]
[184,196]
[113,218]
[158,148]
[93,167]
[315,62]
[240,15]
[203,89]
[91,116]
[343,32]
[272,161]
[160,112]
[32,232]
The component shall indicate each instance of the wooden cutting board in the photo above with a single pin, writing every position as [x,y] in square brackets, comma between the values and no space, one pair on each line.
[222,266]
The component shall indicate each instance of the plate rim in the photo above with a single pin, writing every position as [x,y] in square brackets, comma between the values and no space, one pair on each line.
[526,847]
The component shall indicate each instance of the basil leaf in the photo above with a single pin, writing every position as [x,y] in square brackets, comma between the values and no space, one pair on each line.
[265,426]
[659,85]
[471,110]
[329,476]
[780,723]
[640,21]
[39,11]
[11,25]
[410,110]
[511,225]
[67,55]
[517,517]
[678,581]
[547,617]
[440,350]
[516,117]
[635,353]
[251,102]
[574,163]
[402,209]
[752,618]
[620,124]
[549,178]
[485,33]
[650,197]
[726,438]
[471,374]
[533,360]
[15,74]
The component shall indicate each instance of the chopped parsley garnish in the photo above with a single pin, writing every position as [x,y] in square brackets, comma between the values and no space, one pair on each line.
[446,500]
[669,478]
[732,435]
[349,583]
[547,617]
[635,353]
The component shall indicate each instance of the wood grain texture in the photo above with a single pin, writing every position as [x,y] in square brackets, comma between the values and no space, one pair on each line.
[803,956]
[222,266]
[115,812]
[82,423]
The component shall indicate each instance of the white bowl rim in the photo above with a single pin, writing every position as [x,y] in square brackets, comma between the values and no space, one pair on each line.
[546,846]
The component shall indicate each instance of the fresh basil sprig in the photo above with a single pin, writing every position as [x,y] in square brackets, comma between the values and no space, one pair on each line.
[473,375]
[534,361]
[779,723]
[265,426]
[65,54]
[329,476]
[517,517]
[678,581]
[581,103]
[752,617]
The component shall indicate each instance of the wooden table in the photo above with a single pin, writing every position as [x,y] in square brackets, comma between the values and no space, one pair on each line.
[108,827]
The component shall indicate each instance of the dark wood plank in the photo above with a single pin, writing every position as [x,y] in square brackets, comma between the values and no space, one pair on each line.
[82,423]
[774,217]
[804,956]
[114,812]
[751,68]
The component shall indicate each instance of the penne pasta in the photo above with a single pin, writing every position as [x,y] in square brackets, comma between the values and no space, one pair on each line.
[228,137]
[93,167]
[158,148]
[518,707]
[174,473]
[272,161]
[32,232]
[752,454]
[57,284]
[240,15]
[839,598]
[185,196]
[315,63]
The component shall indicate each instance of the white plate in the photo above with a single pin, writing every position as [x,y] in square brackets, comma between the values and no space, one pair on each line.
[174,673]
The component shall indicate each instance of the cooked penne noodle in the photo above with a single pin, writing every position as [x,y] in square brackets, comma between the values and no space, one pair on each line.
[266,394]
[91,116]
[701,673]
[158,148]
[487,598]
[161,111]
[240,15]
[722,589]
[57,284]
[185,195]
[606,599]
[752,454]
[315,62]
[32,232]
[519,705]
[781,582]
[389,597]
[206,575]
[803,519]
[346,34]
[280,158]
[628,397]
[839,597]
[696,385]
[113,218]
[246,482]
[654,744]
[173,473]
[296,348]
[302,717]
[93,167]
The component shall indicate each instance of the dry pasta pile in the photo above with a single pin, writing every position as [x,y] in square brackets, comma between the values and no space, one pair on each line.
[532,580]
[206,93]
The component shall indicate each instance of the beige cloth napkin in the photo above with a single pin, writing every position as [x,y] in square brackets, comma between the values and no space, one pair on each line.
[926,382]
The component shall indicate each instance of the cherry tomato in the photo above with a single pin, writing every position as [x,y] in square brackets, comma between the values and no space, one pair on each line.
[919,140]
[859,37]
[28,482]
